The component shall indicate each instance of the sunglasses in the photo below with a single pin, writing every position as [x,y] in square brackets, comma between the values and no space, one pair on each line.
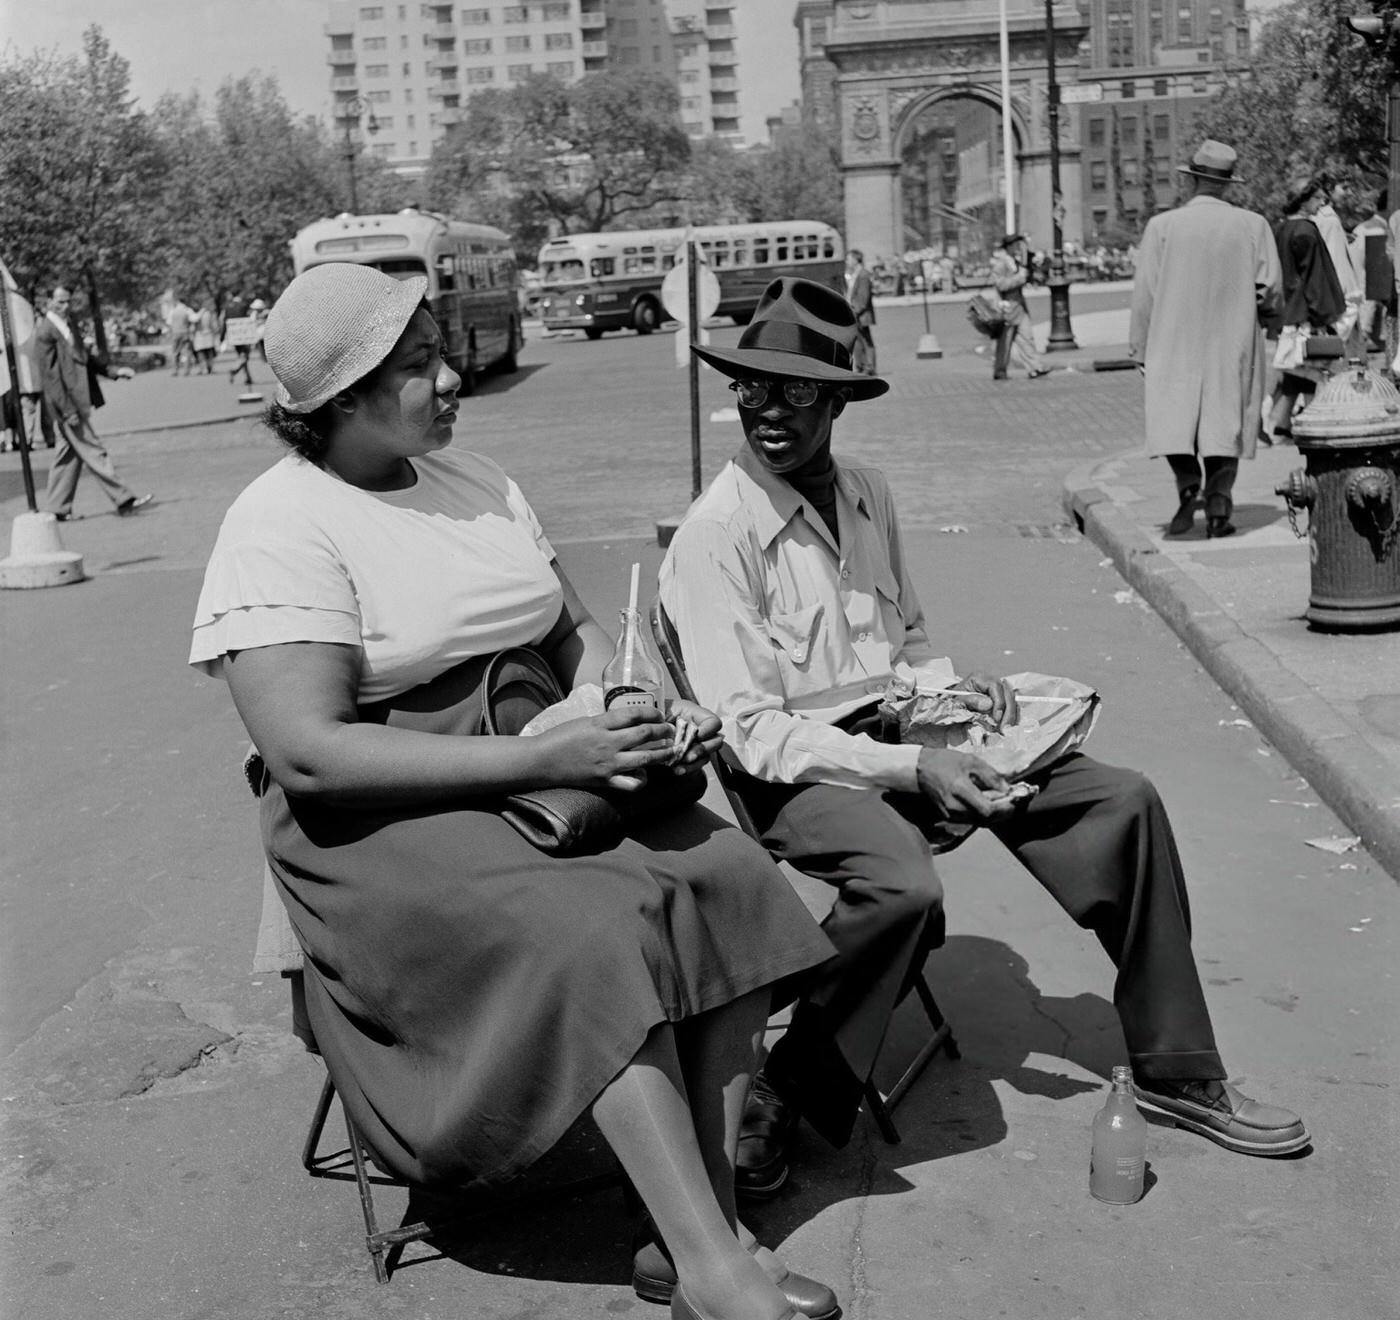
[799,393]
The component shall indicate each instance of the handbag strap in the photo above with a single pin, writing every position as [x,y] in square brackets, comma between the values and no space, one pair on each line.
[516,685]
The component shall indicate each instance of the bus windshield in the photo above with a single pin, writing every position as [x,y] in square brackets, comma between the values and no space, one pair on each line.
[401,268]
[563,270]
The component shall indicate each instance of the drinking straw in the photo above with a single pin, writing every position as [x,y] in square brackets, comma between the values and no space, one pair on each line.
[631,643]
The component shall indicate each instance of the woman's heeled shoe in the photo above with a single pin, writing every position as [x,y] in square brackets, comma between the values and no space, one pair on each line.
[654,1279]
[681,1309]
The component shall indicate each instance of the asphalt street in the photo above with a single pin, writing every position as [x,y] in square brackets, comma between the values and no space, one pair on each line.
[155,1103]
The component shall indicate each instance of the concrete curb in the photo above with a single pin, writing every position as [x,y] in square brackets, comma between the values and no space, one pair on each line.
[1312,734]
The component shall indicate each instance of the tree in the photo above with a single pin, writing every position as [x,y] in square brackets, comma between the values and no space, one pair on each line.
[577,157]
[80,167]
[1311,101]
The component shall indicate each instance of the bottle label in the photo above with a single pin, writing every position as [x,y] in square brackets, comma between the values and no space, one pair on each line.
[629,698]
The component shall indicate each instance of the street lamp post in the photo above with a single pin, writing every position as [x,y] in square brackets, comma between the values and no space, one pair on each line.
[1061,333]
[351,112]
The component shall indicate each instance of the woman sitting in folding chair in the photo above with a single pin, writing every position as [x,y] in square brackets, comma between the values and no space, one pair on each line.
[473,996]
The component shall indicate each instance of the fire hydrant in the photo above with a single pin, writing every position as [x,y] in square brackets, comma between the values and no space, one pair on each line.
[1349,436]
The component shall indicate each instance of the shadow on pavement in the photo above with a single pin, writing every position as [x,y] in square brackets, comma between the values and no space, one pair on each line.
[1000,1018]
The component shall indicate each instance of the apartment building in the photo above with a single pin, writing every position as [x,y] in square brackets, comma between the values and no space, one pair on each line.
[705,39]
[400,74]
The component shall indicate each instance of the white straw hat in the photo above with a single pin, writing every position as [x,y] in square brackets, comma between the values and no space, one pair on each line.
[333,325]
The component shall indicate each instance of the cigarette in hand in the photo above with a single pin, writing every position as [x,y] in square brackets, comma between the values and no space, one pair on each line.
[685,735]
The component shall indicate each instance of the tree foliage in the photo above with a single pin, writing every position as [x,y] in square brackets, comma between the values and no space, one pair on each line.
[1312,101]
[78,167]
[799,177]
[592,155]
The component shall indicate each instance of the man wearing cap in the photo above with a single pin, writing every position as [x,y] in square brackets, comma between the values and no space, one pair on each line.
[1011,271]
[792,600]
[1207,280]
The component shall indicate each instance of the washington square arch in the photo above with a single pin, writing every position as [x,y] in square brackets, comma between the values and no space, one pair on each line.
[917,96]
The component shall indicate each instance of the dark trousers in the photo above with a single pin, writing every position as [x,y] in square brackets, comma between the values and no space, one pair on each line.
[863,351]
[1216,485]
[1096,837]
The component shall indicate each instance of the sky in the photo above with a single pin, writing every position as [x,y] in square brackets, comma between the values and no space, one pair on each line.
[176,45]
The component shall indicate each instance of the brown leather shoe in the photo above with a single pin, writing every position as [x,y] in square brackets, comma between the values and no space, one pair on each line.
[1220,1113]
[764,1138]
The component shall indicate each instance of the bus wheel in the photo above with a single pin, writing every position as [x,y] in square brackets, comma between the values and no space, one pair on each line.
[646,316]
[510,363]
[592,331]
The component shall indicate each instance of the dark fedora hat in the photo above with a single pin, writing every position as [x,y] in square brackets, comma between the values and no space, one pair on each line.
[800,330]
[1012,238]
[1213,160]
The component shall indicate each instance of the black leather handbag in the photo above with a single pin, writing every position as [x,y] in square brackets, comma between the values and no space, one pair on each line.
[566,821]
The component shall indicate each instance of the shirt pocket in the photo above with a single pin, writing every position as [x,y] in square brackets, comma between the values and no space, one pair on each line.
[794,634]
[887,596]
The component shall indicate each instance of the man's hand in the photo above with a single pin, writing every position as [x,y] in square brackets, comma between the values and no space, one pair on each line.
[1000,695]
[963,787]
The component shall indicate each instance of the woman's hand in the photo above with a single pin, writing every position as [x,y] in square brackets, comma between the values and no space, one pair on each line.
[696,737]
[605,751]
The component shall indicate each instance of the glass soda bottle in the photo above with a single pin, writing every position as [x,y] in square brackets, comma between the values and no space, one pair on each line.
[632,679]
[1118,1162]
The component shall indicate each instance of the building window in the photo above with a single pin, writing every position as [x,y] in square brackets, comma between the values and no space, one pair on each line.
[1162,128]
[559,41]
[516,14]
[407,69]
[408,122]
[1127,91]
[479,76]
[1199,85]
[374,43]
[1100,217]
[408,95]
[403,41]
[1129,130]
[378,97]
[1160,87]
[1183,25]
[1098,175]
[1129,172]
[554,13]
[384,122]
[475,17]
[561,69]
[517,72]
[627,27]
[1096,132]
[517,43]
[376,70]
[476,46]
[371,13]
[412,148]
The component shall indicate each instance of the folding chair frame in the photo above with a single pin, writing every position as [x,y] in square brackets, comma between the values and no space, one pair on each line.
[385,1244]
[942,1038]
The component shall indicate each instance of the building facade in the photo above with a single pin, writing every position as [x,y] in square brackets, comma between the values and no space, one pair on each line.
[400,74]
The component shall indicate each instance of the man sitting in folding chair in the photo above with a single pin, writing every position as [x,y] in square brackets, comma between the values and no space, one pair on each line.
[789,591]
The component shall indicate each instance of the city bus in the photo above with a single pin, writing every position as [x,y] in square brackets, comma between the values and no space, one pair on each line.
[612,281]
[472,284]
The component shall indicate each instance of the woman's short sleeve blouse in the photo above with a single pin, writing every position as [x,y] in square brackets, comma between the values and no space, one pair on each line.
[421,579]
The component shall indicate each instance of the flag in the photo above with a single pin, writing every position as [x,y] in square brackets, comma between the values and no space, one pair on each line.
[22,328]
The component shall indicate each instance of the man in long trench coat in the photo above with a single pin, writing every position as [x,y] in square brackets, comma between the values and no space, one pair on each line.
[1207,280]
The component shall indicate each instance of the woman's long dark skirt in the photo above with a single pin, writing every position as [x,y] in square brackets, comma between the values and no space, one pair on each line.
[472,996]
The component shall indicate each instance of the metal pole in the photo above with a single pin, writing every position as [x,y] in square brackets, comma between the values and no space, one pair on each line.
[1007,141]
[1393,133]
[8,329]
[692,276]
[1061,334]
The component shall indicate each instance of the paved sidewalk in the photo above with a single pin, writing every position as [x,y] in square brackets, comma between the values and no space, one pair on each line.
[1329,702]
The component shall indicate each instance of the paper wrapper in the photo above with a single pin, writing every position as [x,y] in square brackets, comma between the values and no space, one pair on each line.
[581,703]
[1056,716]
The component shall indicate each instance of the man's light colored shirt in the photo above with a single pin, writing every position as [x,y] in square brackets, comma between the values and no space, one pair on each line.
[784,632]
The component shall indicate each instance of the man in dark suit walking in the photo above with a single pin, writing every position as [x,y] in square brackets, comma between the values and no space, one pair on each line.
[862,299]
[64,364]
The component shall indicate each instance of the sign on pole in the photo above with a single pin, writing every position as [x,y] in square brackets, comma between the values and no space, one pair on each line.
[1081,93]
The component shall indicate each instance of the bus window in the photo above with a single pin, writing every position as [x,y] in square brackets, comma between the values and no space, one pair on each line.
[780,249]
[668,262]
[565,270]
[447,272]
[828,247]
[719,254]
[401,268]
[741,252]
[760,252]
[600,267]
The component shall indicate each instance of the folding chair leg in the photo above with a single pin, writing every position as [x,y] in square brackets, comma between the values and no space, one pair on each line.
[318,1123]
[373,1243]
[880,1106]
[880,1112]
[942,1032]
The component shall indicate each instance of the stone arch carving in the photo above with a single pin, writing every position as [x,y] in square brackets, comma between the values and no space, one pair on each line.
[916,101]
